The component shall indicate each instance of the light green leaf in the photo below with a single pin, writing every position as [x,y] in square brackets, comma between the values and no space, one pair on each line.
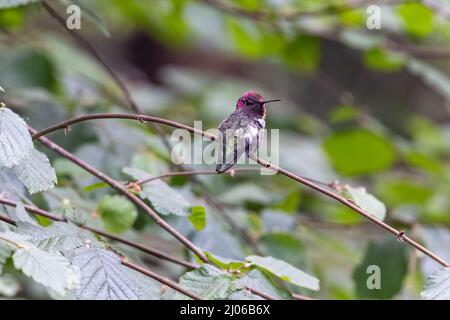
[35,172]
[437,285]
[208,282]
[359,151]
[118,213]
[198,217]
[103,277]
[22,215]
[94,186]
[15,140]
[382,60]
[224,263]
[59,236]
[418,19]
[163,198]
[285,271]
[366,201]
[50,269]
[14,3]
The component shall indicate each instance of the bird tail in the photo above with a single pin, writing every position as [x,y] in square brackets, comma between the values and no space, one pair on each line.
[221,168]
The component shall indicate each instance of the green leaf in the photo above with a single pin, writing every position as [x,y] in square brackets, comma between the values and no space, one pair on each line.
[359,151]
[285,271]
[366,201]
[15,140]
[303,53]
[26,69]
[224,263]
[198,217]
[208,282]
[103,277]
[50,269]
[383,60]
[59,236]
[437,285]
[163,198]
[5,252]
[94,186]
[280,245]
[391,256]
[417,18]
[36,172]
[118,213]
[14,3]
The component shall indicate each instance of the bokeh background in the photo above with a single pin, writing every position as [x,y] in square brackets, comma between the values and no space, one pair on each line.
[366,107]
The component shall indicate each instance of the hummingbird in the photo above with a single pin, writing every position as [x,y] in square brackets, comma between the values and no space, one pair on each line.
[242,131]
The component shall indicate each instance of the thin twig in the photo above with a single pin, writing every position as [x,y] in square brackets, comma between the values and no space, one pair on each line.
[399,234]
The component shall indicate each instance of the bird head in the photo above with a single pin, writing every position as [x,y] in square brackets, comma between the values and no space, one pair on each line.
[252,98]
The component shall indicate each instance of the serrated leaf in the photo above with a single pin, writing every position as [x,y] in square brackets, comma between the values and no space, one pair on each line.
[59,236]
[208,282]
[366,201]
[35,172]
[103,276]
[164,199]
[285,271]
[4,4]
[15,140]
[437,285]
[198,217]
[50,269]
[118,213]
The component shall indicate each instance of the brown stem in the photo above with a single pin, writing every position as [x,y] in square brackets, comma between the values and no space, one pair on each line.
[399,234]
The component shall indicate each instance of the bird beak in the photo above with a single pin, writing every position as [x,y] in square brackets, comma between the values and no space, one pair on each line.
[268,101]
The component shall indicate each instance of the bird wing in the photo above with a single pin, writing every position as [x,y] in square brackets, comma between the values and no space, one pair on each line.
[232,143]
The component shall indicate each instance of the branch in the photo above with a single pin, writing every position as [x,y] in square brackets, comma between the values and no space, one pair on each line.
[305,181]
[130,265]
